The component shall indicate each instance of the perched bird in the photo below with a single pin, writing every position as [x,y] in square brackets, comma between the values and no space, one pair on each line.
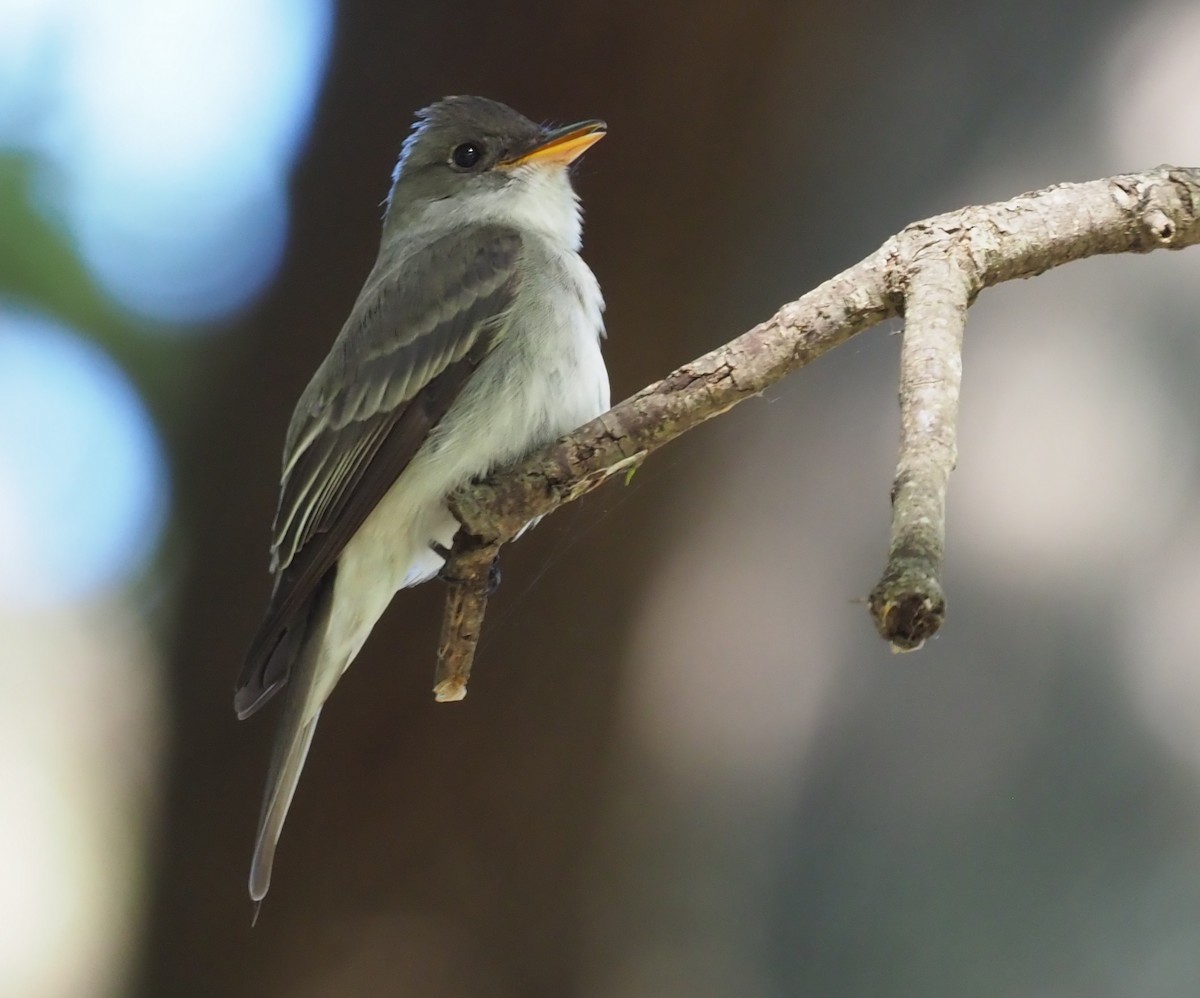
[475,339]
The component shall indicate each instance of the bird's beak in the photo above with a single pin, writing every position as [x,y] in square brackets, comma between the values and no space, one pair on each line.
[561,146]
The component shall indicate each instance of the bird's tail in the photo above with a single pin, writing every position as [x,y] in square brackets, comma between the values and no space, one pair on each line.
[301,711]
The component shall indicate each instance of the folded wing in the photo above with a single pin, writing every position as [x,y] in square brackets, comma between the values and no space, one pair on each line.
[412,340]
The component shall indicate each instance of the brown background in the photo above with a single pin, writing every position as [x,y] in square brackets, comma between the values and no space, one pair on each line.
[985,819]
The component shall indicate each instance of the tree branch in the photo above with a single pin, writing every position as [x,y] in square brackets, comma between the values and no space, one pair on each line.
[908,603]
[931,271]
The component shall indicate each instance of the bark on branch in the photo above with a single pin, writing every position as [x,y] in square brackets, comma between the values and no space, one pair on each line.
[930,272]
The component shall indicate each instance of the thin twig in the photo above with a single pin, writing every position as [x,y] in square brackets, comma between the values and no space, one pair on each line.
[468,574]
[908,603]
[1023,237]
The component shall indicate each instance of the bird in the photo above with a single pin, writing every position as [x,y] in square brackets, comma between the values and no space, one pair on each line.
[474,340]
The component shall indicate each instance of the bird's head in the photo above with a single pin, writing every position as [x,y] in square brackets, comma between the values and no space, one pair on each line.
[472,159]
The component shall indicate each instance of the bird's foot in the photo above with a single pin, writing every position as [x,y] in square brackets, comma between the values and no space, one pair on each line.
[444,553]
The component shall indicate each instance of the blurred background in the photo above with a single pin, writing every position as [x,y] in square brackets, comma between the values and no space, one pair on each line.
[687,766]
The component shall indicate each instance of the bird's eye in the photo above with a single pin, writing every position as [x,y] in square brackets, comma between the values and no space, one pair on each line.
[467,155]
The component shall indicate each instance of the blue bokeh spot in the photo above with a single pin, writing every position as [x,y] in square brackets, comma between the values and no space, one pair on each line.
[167,133]
[83,488]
